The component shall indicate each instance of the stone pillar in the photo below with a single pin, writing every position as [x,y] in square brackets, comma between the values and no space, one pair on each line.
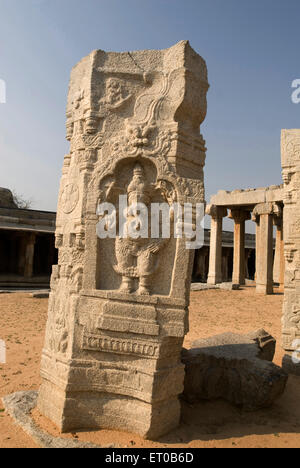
[22,253]
[29,255]
[200,267]
[239,217]
[247,256]
[290,150]
[264,253]
[215,256]
[278,268]
[13,259]
[257,237]
[225,266]
[118,308]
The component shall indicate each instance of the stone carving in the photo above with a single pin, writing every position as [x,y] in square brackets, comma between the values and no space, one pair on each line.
[115,94]
[69,198]
[107,344]
[140,252]
[118,311]
[291,310]
[237,368]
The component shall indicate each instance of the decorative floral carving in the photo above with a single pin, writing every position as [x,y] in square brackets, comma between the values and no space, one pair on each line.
[69,198]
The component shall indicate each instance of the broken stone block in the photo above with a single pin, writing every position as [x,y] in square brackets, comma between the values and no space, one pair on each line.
[236,368]
[40,295]
[229,286]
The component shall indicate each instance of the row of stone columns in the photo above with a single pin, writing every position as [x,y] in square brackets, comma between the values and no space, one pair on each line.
[264,214]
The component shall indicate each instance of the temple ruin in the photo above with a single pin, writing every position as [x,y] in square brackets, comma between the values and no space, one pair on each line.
[265,207]
[27,248]
[118,309]
[290,152]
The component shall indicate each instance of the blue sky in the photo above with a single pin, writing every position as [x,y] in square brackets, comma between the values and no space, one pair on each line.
[252,53]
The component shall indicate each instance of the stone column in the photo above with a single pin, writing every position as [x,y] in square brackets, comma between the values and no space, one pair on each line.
[290,151]
[29,256]
[264,254]
[200,267]
[215,256]
[239,217]
[225,266]
[118,309]
[278,268]
[247,256]
[22,251]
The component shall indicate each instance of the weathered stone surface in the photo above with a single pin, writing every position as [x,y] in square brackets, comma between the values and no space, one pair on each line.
[203,286]
[229,286]
[40,294]
[250,197]
[20,405]
[118,308]
[290,151]
[233,367]
[6,199]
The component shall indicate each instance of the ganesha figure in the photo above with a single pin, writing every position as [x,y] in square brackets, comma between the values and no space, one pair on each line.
[136,255]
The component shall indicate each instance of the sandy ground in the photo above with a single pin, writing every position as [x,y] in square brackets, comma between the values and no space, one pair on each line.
[209,424]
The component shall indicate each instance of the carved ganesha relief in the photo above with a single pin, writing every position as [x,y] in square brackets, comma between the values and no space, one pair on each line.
[138,256]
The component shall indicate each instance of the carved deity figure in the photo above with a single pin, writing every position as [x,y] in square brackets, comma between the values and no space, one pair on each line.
[137,257]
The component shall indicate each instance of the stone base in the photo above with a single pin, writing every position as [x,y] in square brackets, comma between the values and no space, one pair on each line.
[20,405]
[289,366]
[92,411]
[264,289]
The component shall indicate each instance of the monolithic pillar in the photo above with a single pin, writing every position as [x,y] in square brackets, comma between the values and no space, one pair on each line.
[118,308]
[225,264]
[257,237]
[247,256]
[239,217]
[22,254]
[290,151]
[264,253]
[215,257]
[278,268]
[29,255]
[201,259]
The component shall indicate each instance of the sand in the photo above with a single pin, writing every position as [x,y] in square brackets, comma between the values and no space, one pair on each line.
[208,424]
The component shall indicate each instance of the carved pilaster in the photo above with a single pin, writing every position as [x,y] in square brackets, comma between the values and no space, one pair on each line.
[290,151]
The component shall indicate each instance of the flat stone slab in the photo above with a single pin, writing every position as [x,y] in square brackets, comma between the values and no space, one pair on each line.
[40,295]
[229,286]
[236,368]
[20,405]
[206,286]
[203,286]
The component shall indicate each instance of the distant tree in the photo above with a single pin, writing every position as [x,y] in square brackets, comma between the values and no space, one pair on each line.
[21,202]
